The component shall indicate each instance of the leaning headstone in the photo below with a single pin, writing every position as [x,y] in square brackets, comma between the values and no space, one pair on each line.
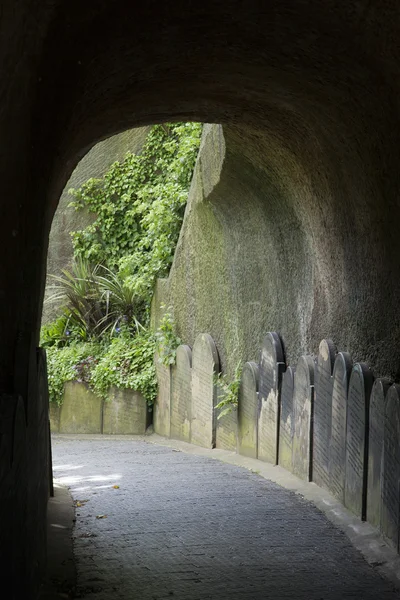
[227,428]
[248,410]
[323,412]
[161,409]
[286,420]
[303,400]
[375,450]
[337,453]
[390,522]
[355,491]
[205,364]
[272,365]
[181,394]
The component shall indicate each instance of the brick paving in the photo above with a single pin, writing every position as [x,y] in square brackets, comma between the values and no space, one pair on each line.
[191,528]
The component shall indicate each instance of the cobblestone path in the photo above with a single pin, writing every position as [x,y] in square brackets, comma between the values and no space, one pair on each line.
[191,528]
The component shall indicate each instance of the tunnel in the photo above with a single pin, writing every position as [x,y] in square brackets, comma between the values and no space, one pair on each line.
[307,97]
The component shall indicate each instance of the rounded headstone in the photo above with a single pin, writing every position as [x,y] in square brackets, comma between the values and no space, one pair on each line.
[355,492]
[337,453]
[272,365]
[205,364]
[303,399]
[323,412]
[181,394]
[286,420]
[375,450]
[248,410]
[390,506]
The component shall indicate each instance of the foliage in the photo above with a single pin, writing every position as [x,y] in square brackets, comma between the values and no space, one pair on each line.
[67,364]
[167,341]
[228,391]
[139,205]
[126,362]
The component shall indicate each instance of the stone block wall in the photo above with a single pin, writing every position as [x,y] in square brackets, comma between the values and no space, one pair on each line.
[125,412]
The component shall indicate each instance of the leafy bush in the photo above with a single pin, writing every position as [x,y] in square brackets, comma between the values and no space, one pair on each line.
[228,391]
[167,341]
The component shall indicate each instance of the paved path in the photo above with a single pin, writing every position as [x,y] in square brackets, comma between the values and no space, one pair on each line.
[191,528]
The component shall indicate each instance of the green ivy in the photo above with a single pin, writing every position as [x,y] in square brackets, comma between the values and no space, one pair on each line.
[166,340]
[139,205]
[228,391]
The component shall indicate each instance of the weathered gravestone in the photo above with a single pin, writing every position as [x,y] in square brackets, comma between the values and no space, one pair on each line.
[161,416]
[248,410]
[81,410]
[355,491]
[337,452]
[181,394]
[323,412]
[303,400]
[205,364]
[375,450]
[286,420]
[125,412]
[272,365]
[390,506]
[227,431]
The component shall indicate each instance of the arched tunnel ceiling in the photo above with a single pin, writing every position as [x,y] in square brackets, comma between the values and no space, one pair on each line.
[308,94]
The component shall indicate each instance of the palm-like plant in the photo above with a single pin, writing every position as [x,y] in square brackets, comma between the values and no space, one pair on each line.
[96,300]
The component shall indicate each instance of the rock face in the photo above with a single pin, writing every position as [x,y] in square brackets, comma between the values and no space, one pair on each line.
[297,217]
[67,219]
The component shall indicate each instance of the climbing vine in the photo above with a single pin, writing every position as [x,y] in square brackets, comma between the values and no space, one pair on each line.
[101,336]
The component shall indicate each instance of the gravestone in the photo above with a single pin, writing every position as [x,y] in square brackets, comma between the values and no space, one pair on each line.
[272,365]
[161,415]
[205,364]
[181,394]
[323,412]
[286,420]
[125,412]
[303,400]
[375,450]
[337,453]
[227,431]
[355,490]
[248,410]
[81,410]
[390,522]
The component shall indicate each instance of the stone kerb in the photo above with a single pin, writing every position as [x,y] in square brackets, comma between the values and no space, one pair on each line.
[355,493]
[181,394]
[337,453]
[272,365]
[390,522]
[125,413]
[286,427]
[205,364]
[248,410]
[323,412]
[162,405]
[303,400]
[81,410]
[375,450]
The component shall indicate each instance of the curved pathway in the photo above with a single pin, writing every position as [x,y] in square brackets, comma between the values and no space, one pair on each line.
[192,528]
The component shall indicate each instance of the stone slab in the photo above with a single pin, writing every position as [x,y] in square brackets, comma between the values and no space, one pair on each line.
[390,521]
[162,405]
[205,364]
[81,410]
[337,454]
[248,410]
[227,431]
[181,394]
[125,413]
[303,400]
[355,491]
[375,450]
[272,365]
[286,427]
[323,412]
[54,413]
